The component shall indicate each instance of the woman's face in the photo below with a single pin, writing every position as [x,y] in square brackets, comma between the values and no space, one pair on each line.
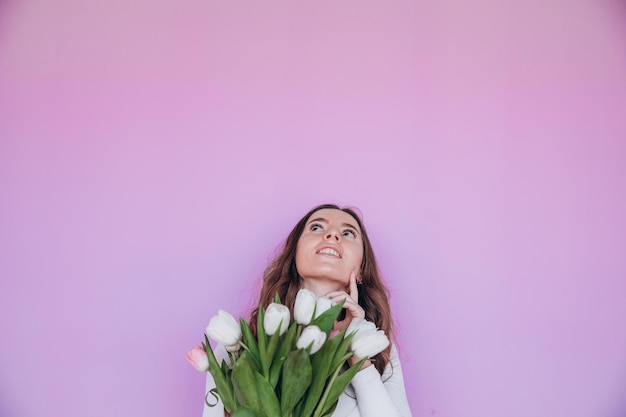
[330,247]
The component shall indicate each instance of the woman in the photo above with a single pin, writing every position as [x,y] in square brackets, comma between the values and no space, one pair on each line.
[329,253]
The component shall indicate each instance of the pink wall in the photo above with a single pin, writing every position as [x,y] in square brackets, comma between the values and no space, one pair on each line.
[154,153]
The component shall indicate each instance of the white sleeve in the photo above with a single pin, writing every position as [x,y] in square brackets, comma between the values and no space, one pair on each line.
[218,409]
[384,395]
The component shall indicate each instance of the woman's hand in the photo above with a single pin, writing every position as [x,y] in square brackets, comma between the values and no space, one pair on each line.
[351,304]
[353,310]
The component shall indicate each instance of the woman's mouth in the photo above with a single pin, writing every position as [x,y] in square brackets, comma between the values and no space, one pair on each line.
[329,251]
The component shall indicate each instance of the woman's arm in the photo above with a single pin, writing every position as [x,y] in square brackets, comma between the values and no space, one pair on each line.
[384,395]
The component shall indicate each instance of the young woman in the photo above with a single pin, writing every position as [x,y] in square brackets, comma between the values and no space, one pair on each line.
[329,253]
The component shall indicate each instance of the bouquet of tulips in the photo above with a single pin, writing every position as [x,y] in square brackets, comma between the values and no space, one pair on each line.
[292,368]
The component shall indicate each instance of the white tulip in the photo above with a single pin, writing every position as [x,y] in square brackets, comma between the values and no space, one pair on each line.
[359,325]
[321,305]
[369,344]
[312,334]
[276,315]
[224,329]
[304,306]
[367,341]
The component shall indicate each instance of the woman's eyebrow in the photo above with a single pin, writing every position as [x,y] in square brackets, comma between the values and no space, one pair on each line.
[351,226]
[321,219]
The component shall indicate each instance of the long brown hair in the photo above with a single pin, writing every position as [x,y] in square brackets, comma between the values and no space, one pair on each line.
[281,277]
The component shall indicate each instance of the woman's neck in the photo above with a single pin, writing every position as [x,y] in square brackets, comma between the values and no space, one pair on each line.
[321,287]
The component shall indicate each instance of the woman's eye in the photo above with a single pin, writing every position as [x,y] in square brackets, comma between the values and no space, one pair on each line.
[315,227]
[349,232]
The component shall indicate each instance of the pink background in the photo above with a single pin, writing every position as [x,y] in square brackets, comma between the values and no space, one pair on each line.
[153,154]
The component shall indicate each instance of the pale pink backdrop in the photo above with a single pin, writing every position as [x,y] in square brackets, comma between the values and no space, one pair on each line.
[153,154]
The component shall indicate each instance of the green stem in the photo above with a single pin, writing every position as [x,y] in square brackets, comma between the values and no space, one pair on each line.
[298,333]
[320,405]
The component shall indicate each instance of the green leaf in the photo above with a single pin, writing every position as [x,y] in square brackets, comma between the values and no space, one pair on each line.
[244,412]
[321,366]
[296,379]
[271,351]
[223,384]
[277,299]
[269,402]
[249,343]
[342,351]
[330,412]
[262,338]
[337,386]
[326,320]
[245,384]
[286,345]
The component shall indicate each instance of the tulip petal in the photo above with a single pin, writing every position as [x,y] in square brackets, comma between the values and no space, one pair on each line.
[369,344]
[224,329]
[304,306]
[311,338]
[321,305]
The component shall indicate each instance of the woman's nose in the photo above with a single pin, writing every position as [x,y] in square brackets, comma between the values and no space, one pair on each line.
[331,234]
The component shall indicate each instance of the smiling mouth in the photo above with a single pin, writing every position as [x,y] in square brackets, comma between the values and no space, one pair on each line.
[329,251]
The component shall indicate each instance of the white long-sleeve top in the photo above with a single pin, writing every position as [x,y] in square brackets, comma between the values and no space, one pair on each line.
[368,395]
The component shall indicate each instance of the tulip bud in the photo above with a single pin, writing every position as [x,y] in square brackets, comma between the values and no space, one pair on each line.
[311,334]
[369,344]
[276,315]
[304,306]
[367,341]
[224,329]
[359,325]
[321,305]
[198,359]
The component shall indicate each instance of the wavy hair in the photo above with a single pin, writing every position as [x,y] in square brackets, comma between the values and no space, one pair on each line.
[281,277]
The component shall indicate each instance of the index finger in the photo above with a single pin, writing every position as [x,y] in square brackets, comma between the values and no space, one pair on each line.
[354,289]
